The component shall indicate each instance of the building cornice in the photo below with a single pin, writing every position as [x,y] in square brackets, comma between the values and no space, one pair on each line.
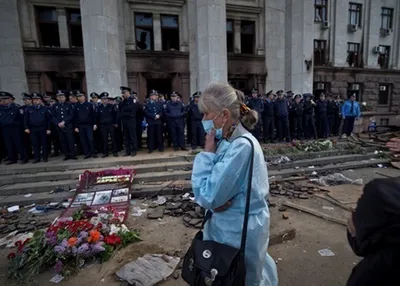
[243,9]
[56,3]
[357,70]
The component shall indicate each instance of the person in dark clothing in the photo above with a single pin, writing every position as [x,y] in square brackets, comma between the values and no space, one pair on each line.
[154,112]
[37,125]
[268,118]
[176,112]
[350,113]
[309,124]
[85,119]
[321,117]
[127,116]
[297,117]
[107,122]
[332,112]
[374,234]
[72,98]
[27,99]
[337,117]
[53,142]
[282,117]
[164,120]
[139,120]
[196,116]
[256,104]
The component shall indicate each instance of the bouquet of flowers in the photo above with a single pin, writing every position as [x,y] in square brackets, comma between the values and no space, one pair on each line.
[68,245]
[366,107]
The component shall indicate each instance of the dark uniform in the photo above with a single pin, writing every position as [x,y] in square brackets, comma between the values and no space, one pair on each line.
[139,120]
[268,119]
[127,114]
[154,130]
[282,119]
[332,112]
[37,122]
[196,126]
[106,121]
[321,118]
[53,141]
[85,120]
[297,118]
[11,118]
[256,104]
[27,99]
[308,118]
[175,112]
[97,137]
[77,140]
[64,112]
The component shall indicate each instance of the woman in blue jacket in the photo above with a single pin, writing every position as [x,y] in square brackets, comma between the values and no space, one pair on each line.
[350,113]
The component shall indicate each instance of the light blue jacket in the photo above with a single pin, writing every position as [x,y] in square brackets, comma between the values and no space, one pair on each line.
[222,176]
[347,107]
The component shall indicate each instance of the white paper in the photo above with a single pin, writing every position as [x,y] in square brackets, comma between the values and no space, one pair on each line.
[328,208]
[137,211]
[27,195]
[13,209]
[326,252]
[57,279]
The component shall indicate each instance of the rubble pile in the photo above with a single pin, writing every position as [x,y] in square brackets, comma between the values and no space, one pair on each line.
[292,190]
[10,222]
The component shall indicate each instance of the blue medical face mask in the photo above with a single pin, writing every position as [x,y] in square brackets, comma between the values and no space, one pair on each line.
[208,125]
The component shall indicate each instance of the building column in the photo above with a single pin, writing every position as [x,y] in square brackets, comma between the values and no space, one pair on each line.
[339,45]
[260,35]
[63,28]
[237,36]
[122,51]
[192,15]
[157,32]
[12,64]
[101,45]
[299,33]
[183,30]
[373,34]
[211,42]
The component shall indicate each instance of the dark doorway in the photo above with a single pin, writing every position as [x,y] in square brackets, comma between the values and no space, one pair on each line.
[161,85]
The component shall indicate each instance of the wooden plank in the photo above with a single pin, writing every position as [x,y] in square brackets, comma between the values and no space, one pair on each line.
[334,202]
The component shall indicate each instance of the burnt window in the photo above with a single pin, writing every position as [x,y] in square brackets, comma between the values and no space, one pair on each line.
[67,84]
[387,18]
[355,14]
[229,36]
[384,94]
[354,88]
[321,87]
[320,10]
[144,31]
[247,37]
[383,57]
[47,27]
[239,84]
[384,121]
[353,54]
[75,28]
[319,52]
[170,32]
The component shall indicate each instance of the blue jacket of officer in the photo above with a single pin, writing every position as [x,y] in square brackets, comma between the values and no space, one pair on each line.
[281,107]
[175,110]
[62,112]
[37,116]
[321,107]
[194,112]
[152,109]
[11,115]
[256,104]
[268,108]
[128,109]
[106,114]
[85,114]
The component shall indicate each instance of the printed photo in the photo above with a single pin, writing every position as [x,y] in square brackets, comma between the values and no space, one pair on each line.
[119,199]
[102,197]
[84,197]
[121,192]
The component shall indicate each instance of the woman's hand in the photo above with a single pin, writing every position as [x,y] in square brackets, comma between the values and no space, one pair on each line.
[210,144]
[394,144]
[350,226]
[223,208]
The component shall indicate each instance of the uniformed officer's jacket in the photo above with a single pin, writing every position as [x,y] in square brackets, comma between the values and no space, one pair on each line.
[297,109]
[175,110]
[332,108]
[256,104]
[281,107]
[62,112]
[321,107]
[11,115]
[268,108]
[194,112]
[308,107]
[85,114]
[106,114]
[151,110]
[128,109]
[37,116]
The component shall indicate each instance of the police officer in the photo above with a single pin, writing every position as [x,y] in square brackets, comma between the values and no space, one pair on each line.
[256,104]
[72,98]
[63,116]
[107,122]
[37,124]
[175,112]
[333,115]
[297,113]
[27,99]
[308,116]
[282,117]
[268,118]
[139,120]
[85,124]
[154,112]
[321,116]
[128,108]
[11,118]
[94,98]
[196,116]
[164,119]
[53,139]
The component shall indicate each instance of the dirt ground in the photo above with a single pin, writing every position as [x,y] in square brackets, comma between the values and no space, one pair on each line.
[298,261]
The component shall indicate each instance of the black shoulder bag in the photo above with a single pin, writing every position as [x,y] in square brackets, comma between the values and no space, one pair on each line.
[209,263]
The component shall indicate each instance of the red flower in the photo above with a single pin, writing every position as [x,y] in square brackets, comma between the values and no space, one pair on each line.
[26,241]
[112,240]
[99,226]
[11,255]
[18,243]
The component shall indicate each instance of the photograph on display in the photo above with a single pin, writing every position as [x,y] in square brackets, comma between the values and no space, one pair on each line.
[84,197]
[119,199]
[103,197]
[121,192]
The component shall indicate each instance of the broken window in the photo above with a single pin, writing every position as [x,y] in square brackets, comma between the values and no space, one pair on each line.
[67,84]
[321,87]
[247,37]
[355,14]
[144,31]
[48,27]
[230,45]
[384,94]
[354,88]
[383,58]
[353,54]
[170,32]
[387,18]
[319,52]
[320,10]
[75,28]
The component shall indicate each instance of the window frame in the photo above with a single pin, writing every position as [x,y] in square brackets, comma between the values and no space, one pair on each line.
[359,92]
[253,34]
[389,92]
[355,8]
[326,90]
[324,58]
[171,29]
[323,4]
[387,54]
[357,63]
[74,24]
[145,28]
[390,15]
[232,33]
[40,22]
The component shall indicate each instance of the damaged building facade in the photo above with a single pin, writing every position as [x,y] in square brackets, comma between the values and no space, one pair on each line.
[314,46]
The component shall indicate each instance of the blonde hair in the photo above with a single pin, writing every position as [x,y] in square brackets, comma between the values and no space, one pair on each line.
[218,96]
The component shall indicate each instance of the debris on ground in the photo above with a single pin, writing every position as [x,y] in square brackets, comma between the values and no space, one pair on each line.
[315,146]
[148,270]
[280,237]
[335,179]
[326,252]
[280,160]
[292,190]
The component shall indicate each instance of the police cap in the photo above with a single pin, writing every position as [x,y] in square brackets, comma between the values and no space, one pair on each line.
[36,95]
[124,88]
[104,95]
[80,93]
[173,94]
[93,94]
[71,94]
[196,94]
[5,95]
[253,90]
[298,96]
[269,92]
[279,91]
[60,93]
[25,95]
[153,92]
